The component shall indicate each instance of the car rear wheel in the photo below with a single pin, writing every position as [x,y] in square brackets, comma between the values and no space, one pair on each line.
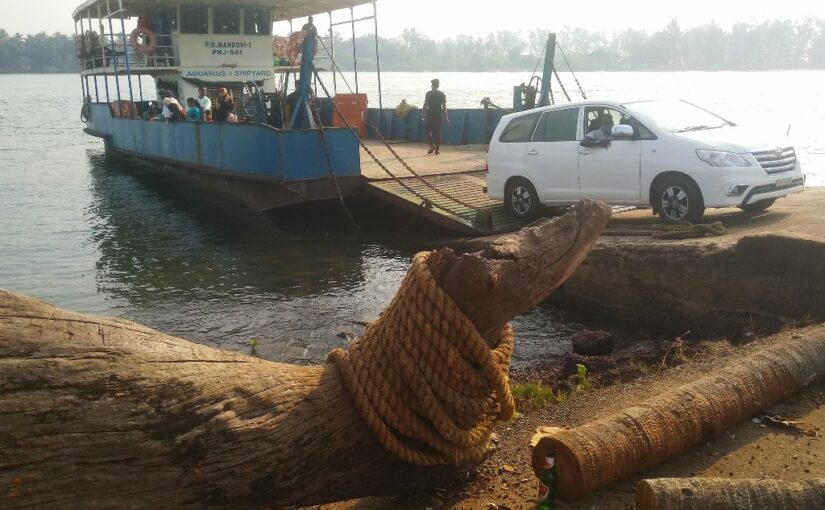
[678,200]
[758,206]
[521,199]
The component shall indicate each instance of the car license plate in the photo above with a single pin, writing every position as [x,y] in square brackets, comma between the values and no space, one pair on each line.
[785,181]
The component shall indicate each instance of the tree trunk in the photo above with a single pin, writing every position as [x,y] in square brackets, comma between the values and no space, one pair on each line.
[712,287]
[760,281]
[726,494]
[106,413]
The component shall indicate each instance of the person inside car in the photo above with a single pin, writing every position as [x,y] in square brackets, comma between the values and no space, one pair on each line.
[600,137]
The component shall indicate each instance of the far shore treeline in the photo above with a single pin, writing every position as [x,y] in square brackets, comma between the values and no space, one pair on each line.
[771,45]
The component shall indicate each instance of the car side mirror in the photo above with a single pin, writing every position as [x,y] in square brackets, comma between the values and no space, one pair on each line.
[622,131]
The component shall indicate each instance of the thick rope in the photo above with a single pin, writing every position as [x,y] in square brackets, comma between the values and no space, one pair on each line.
[424,380]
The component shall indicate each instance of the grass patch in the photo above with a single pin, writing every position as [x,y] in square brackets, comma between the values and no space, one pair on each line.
[535,393]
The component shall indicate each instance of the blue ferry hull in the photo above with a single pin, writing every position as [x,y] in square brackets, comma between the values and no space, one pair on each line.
[265,167]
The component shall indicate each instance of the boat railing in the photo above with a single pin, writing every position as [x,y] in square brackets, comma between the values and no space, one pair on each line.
[108,51]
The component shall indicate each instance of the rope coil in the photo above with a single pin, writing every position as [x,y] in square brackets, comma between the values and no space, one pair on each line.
[424,379]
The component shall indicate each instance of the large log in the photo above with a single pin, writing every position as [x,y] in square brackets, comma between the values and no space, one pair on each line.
[105,413]
[716,286]
[726,494]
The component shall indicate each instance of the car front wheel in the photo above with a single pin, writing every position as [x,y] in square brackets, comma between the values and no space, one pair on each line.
[521,199]
[678,200]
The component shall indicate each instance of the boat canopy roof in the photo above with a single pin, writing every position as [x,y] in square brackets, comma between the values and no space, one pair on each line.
[281,9]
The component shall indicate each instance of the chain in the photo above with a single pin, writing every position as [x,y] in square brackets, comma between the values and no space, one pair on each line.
[417,194]
[562,85]
[584,96]
[314,110]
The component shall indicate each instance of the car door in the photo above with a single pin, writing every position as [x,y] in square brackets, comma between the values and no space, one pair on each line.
[506,156]
[613,174]
[551,157]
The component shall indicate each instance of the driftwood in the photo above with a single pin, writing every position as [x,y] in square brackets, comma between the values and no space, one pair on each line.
[105,413]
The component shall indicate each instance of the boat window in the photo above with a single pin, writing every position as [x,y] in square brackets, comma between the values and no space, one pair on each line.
[558,126]
[257,21]
[520,129]
[164,21]
[194,19]
[226,20]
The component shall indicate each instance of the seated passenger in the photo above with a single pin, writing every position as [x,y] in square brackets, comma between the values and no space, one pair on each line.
[151,113]
[193,111]
[600,137]
[172,110]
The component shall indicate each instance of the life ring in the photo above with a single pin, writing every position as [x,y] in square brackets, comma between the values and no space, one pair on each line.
[296,45]
[143,40]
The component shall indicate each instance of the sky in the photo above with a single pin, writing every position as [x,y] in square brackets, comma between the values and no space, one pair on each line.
[444,18]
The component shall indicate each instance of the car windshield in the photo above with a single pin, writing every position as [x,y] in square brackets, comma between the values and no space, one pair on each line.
[677,116]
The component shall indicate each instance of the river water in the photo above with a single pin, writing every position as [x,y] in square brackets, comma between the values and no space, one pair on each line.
[113,236]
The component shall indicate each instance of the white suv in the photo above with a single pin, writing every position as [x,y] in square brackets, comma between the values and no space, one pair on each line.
[667,154]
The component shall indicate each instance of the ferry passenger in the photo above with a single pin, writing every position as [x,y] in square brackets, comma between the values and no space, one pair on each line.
[434,114]
[172,110]
[205,103]
[309,28]
[225,105]
[151,113]
[193,112]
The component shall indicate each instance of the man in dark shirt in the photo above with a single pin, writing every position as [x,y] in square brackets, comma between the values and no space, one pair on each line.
[309,27]
[225,106]
[434,114]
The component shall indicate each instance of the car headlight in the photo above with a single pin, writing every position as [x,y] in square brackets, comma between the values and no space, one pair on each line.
[721,158]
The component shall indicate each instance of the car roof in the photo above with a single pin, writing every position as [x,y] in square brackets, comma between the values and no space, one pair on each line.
[587,102]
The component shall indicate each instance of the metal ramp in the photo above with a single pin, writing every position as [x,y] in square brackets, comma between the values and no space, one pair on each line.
[486,217]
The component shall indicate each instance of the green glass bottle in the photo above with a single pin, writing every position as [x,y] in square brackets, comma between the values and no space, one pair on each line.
[547,483]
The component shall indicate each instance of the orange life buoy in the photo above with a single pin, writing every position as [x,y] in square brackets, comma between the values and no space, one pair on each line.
[143,40]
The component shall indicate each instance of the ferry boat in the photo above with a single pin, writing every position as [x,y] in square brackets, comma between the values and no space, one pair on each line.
[135,53]
[131,52]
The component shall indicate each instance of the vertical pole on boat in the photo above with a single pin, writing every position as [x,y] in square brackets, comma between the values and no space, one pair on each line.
[79,44]
[354,56]
[114,51]
[332,54]
[304,85]
[140,87]
[377,56]
[103,53]
[125,52]
[547,76]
